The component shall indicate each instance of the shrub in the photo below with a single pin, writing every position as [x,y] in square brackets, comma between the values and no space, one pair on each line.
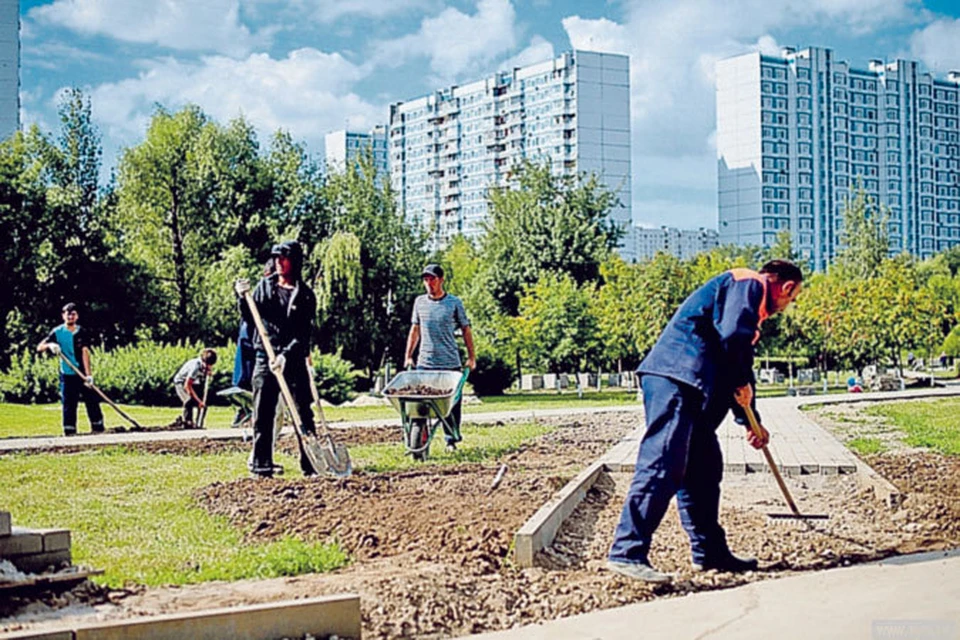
[336,377]
[492,376]
[31,377]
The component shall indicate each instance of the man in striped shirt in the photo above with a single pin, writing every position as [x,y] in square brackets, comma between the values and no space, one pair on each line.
[436,317]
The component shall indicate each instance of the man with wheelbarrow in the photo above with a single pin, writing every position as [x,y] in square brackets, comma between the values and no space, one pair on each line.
[436,317]
[287,307]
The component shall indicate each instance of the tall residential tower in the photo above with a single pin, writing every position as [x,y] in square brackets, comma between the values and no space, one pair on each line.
[342,147]
[798,132]
[449,147]
[9,67]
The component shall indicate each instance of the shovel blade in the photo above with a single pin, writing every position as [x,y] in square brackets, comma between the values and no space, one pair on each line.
[326,456]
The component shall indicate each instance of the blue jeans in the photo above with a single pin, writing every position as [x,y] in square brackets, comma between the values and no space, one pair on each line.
[679,455]
[456,413]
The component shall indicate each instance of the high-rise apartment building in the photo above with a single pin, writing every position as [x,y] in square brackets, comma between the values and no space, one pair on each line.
[449,147]
[9,68]
[682,243]
[343,147]
[799,132]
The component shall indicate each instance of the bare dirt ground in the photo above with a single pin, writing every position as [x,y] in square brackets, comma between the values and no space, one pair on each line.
[431,547]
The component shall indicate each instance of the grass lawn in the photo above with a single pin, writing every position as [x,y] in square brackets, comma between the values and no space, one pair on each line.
[133,515]
[18,421]
[927,423]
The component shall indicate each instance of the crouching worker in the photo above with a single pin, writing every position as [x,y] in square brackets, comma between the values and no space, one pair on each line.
[69,341]
[190,380]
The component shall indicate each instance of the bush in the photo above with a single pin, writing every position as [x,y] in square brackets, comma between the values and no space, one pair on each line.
[32,377]
[336,377]
[492,376]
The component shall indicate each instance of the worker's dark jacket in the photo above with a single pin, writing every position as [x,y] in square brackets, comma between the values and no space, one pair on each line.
[288,327]
[708,344]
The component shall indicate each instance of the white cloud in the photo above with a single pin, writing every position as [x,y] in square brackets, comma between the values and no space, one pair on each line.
[673,47]
[456,42]
[328,11]
[309,93]
[538,50]
[208,25]
[938,45]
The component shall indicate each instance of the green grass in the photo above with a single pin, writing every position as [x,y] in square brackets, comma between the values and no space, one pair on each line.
[19,421]
[928,423]
[133,514]
[866,446]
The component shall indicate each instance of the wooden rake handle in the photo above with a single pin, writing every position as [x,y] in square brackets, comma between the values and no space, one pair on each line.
[755,427]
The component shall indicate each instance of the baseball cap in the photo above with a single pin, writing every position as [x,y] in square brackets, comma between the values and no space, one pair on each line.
[70,306]
[434,270]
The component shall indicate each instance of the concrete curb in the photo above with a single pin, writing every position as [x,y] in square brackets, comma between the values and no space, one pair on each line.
[330,615]
[539,531]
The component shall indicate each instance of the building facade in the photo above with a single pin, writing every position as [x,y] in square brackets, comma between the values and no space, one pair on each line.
[800,132]
[9,68]
[343,147]
[682,243]
[448,148]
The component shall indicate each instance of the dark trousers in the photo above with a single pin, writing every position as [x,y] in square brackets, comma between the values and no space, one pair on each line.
[679,455]
[188,407]
[455,417]
[72,390]
[266,391]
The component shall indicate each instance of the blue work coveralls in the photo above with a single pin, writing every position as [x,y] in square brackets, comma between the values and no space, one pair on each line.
[688,380]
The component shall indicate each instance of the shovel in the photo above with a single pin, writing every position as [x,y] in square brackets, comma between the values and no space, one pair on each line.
[794,512]
[336,459]
[310,442]
[206,392]
[100,393]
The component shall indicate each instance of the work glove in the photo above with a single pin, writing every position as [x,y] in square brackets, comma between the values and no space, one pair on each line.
[242,286]
[53,348]
[88,382]
[278,364]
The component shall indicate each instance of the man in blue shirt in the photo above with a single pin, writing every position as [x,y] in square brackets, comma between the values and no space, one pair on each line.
[69,340]
[700,367]
[435,319]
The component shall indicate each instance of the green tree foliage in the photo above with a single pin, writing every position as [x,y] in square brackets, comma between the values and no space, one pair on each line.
[556,330]
[546,224]
[372,325]
[864,238]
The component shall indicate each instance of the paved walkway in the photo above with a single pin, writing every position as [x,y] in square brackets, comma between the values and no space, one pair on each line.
[904,597]
[798,445]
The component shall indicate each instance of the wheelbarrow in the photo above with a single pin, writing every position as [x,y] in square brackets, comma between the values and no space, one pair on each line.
[422,414]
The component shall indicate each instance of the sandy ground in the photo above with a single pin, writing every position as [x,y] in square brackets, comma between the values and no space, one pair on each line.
[431,547]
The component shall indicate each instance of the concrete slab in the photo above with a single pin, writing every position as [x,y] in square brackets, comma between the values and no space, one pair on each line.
[54,539]
[37,635]
[40,562]
[540,530]
[5,523]
[20,541]
[883,600]
[321,617]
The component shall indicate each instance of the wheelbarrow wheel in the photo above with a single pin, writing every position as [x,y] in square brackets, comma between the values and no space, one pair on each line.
[418,439]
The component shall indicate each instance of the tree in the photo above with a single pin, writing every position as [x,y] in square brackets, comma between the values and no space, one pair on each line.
[556,328]
[543,223]
[864,238]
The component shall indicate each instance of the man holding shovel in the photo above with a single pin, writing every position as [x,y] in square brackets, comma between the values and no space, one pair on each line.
[699,368]
[68,340]
[287,307]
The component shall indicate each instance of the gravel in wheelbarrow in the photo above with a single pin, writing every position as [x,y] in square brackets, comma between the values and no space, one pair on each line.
[416,390]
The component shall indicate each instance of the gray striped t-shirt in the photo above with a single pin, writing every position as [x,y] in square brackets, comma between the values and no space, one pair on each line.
[438,319]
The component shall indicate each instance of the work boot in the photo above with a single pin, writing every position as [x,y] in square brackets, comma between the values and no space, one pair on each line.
[69,431]
[452,447]
[729,563]
[97,427]
[638,571]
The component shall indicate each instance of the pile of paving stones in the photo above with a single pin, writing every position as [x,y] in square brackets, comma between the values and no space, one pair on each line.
[31,550]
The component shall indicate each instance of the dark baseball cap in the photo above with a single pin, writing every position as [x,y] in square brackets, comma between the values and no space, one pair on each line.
[434,270]
[70,306]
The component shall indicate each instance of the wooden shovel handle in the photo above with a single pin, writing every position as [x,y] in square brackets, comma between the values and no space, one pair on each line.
[755,427]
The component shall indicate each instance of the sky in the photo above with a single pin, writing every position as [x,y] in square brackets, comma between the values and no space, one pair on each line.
[314,66]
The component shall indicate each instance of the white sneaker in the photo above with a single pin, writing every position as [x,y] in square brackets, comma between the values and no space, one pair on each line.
[637,571]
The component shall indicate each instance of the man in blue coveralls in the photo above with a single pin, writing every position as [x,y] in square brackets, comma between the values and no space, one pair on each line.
[700,367]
